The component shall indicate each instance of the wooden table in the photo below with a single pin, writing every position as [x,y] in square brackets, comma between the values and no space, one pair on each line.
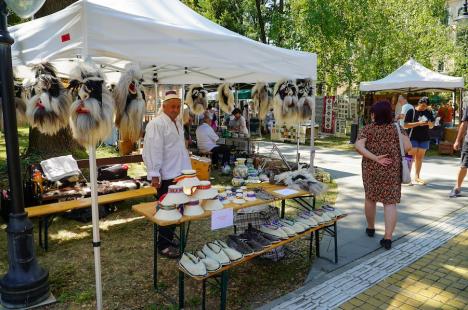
[148,210]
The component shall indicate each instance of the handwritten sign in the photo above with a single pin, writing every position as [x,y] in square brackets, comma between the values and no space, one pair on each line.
[222,218]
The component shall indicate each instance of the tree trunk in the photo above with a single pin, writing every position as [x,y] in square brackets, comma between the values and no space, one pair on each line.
[46,146]
[261,22]
[281,28]
[62,143]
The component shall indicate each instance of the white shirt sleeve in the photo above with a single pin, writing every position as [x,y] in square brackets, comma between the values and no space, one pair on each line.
[153,149]
[212,134]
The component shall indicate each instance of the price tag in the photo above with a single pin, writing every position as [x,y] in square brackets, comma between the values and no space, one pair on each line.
[222,218]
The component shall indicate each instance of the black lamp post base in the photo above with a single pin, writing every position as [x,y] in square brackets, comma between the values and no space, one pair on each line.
[26,283]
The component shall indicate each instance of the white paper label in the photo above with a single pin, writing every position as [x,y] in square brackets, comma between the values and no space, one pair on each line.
[222,218]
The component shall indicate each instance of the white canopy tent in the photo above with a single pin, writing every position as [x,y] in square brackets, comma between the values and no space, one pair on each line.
[163,37]
[414,77]
[171,43]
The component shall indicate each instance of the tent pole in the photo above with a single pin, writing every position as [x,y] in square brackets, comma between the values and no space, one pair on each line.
[95,217]
[312,131]
[298,155]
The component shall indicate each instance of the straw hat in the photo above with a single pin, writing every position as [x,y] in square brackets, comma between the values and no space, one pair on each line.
[205,191]
[212,204]
[238,201]
[167,213]
[192,208]
[188,180]
[175,195]
[250,196]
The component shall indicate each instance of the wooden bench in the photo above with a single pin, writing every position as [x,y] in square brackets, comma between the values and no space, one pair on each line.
[47,212]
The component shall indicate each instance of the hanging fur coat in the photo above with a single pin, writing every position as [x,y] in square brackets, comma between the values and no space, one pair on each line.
[196,99]
[129,104]
[306,101]
[20,106]
[262,99]
[92,112]
[285,102]
[48,108]
[225,98]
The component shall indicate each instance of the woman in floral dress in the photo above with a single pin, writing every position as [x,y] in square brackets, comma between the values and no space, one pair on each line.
[379,145]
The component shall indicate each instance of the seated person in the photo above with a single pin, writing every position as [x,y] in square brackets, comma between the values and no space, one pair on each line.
[206,141]
[237,122]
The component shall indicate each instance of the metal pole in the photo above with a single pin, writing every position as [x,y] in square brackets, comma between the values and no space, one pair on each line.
[26,283]
[95,217]
[312,131]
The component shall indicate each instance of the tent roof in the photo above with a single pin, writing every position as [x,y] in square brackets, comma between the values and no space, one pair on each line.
[413,76]
[162,36]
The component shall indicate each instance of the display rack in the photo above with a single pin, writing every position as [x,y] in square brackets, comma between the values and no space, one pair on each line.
[148,210]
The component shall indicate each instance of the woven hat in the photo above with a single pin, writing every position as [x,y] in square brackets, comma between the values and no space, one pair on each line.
[171,94]
[250,196]
[205,191]
[193,208]
[175,195]
[188,180]
[212,204]
[167,213]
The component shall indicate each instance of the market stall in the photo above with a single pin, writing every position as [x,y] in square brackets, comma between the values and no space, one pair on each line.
[170,43]
[412,77]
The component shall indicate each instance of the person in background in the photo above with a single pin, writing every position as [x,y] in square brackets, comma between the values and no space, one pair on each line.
[398,106]
[446,114]
[206,141]
[379,145]
[237,122]
[461,143]
[418,122]
[269,120]
[405,107]
[165,156]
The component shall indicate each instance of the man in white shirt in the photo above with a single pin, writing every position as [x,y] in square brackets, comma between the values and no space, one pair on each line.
[237,122]
[405,108]
[206,141]
[165,156]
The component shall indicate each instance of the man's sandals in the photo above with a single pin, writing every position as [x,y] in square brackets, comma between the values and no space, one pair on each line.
[170,252]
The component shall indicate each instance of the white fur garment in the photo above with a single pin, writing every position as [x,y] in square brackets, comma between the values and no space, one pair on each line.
[225,98]
[196,99]
[262,99]
[129,104]
[285,102]
[48,108]
[92,113]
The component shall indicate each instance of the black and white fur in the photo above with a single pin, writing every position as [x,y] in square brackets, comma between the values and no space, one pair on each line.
[285,102]
[48,108]
[129,104]
[301,180]
[262,99]
[225,98]
[92,112]
[196,99]
[20,106]
[306,99]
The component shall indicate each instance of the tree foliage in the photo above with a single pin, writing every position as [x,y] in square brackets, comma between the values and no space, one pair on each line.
[355,40]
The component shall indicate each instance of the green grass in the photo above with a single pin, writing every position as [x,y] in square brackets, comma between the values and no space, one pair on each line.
[127,259]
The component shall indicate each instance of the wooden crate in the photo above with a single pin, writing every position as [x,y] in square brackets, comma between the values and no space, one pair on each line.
[446,148]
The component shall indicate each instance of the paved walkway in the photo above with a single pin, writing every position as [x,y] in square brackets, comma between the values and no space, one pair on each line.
[439,280]
[420,206]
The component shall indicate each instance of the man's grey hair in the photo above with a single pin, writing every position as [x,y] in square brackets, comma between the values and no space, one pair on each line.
[401,98]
